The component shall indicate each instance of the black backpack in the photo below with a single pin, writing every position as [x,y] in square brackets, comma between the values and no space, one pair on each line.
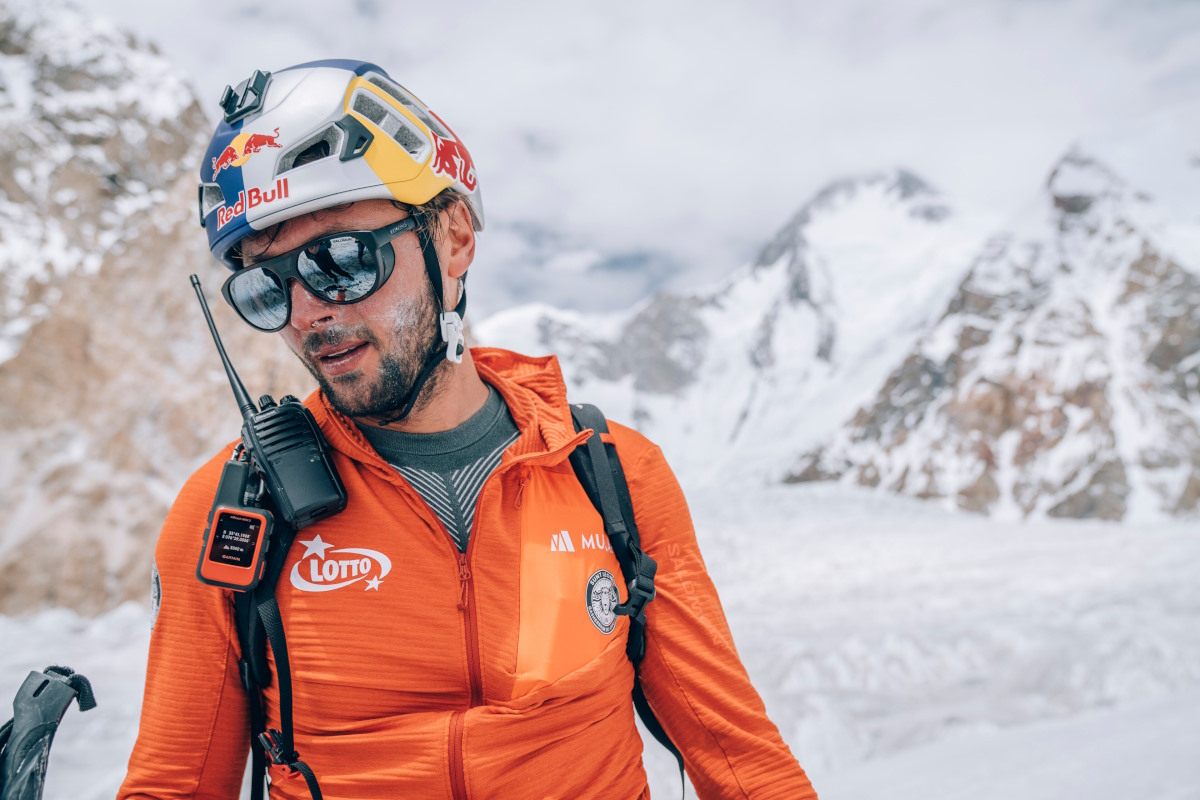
[257,614]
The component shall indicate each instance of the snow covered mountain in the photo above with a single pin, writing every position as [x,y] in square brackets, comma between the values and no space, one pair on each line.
[1055,373]
[745,374]
[1056,378]
[112,390]
[1062,379]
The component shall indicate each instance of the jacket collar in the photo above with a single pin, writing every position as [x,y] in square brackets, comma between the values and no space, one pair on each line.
[532,387]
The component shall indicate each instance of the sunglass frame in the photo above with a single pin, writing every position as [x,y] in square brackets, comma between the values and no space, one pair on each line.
[286,268]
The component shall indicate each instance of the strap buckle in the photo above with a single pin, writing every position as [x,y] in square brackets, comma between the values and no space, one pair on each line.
[272,744]
[641,591]
[452,335]
[246,674]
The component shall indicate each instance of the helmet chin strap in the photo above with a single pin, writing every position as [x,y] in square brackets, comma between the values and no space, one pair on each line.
[450,323]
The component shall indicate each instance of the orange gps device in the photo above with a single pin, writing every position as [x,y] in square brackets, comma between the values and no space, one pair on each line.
[235,543]
[234,548]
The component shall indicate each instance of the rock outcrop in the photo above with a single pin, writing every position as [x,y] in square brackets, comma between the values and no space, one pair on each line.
[112,390]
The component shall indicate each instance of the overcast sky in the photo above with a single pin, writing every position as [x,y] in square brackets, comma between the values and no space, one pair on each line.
[681,135]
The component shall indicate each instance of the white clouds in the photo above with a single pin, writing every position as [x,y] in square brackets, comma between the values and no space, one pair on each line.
[693,130]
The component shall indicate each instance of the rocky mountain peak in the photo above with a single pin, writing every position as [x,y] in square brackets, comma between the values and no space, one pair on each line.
[840,291]
[1061,378]
[901,191]
[1078,182]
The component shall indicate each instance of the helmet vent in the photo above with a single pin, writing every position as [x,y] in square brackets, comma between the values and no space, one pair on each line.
[411,103]
[370,108]
[211,197]
[315,148]
[415,143]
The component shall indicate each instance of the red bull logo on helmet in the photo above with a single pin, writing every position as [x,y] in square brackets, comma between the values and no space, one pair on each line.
[250,198]
[241,148]
[453,161]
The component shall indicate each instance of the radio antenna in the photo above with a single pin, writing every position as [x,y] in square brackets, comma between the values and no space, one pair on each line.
[245,404]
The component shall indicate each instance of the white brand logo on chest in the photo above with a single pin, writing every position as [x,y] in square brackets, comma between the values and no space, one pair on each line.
[561,542]
[318,571]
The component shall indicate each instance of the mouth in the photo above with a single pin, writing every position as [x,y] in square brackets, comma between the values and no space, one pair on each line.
[341,358]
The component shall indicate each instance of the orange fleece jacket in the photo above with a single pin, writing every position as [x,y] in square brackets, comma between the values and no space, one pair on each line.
[421,672]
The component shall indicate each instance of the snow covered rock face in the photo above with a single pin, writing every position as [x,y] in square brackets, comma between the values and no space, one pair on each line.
[1061,379]
[112,390]
[94,125]
[743,375]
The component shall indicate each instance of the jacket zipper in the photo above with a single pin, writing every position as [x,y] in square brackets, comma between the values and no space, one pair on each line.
[466,604]
[521,486]
[458,774]
[458,770]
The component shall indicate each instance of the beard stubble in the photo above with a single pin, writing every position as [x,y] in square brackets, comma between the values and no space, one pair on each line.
[414,340]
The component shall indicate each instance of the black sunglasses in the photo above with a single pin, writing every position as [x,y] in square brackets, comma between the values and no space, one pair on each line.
[340,268]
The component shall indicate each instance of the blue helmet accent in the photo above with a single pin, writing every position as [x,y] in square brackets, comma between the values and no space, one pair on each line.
[231,185]
[348,64]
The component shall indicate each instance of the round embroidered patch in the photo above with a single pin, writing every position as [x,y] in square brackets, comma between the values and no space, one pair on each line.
[602,600]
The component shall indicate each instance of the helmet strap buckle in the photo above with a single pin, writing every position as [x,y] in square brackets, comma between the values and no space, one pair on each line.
[452,335]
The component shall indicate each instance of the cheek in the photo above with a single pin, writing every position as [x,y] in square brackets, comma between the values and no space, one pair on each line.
[393,315]
[399,305]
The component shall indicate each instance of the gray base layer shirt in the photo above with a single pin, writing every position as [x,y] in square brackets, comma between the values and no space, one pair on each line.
[448,468]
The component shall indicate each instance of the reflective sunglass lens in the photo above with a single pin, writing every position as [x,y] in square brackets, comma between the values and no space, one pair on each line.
[340,269]
[260,298]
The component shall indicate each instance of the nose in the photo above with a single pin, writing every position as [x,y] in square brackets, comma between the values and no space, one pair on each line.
[308,311]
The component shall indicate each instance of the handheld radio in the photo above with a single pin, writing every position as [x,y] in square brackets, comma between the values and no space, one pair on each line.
[283,459]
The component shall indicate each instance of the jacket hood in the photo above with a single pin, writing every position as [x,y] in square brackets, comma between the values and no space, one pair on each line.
[532,387]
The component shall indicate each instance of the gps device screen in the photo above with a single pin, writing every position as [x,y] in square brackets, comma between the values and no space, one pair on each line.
[235,538]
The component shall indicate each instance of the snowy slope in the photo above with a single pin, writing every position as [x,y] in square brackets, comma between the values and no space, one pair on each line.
[904,651]
[1145,750]
[765,362]
[1062,379]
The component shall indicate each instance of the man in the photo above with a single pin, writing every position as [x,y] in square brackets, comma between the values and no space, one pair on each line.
[452,632]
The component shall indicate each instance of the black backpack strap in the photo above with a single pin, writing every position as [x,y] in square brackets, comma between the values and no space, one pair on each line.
[599,471]
[280,744]
[246,621]
[256,614]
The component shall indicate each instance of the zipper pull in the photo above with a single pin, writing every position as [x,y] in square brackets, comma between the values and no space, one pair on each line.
[521,486]
[464,575]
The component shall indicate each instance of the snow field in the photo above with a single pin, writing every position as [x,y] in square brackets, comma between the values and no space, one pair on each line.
[899,647]
[90,749]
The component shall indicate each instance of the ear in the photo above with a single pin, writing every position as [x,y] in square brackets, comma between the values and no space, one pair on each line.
[458,241]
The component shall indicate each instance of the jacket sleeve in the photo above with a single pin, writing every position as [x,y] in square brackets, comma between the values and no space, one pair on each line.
[194,733]
[691,673]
